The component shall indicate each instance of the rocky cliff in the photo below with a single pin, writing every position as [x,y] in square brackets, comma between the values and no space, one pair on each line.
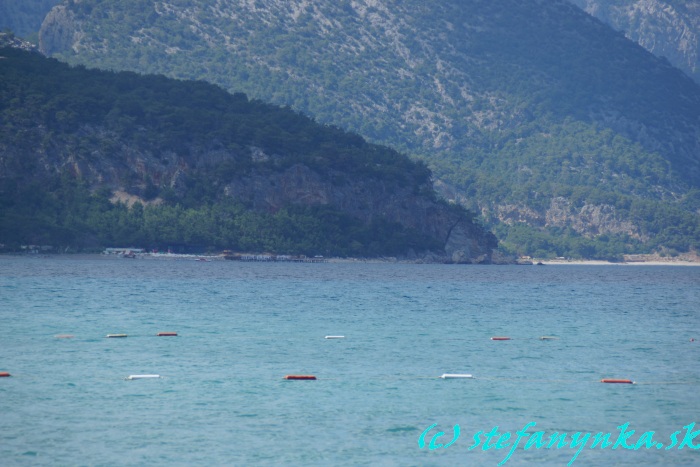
[370,199]
[104,160]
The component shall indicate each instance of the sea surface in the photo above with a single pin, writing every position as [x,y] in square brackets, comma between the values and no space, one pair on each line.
[222,400]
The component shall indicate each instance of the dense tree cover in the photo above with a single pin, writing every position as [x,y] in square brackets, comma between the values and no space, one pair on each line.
[68,214]
[54,118]
[509,102]
[667,28]
[603,169]
[162,114]
[24,17]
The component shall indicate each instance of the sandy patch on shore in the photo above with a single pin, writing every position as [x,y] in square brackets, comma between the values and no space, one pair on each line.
[684,259]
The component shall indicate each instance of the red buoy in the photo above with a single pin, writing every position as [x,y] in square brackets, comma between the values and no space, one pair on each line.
[4,374]
[300,377]
[165,334]
[500,338]
[617,381]
[65,336]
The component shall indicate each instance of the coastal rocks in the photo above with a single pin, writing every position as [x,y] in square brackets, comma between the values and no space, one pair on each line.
[368,199]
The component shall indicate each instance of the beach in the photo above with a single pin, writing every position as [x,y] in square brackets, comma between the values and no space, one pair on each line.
[686,259]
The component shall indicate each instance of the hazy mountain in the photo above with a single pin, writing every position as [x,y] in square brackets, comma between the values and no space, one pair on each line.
[565,135]
[667,28]
[24,17]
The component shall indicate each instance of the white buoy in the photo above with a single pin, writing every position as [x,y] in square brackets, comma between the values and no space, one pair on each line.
[142,376]
[455,376]
[335,337]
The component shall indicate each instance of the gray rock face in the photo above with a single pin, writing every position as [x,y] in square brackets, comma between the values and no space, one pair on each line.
[589,220]
[9,40]
[106,161]
[368,199]
[58,31]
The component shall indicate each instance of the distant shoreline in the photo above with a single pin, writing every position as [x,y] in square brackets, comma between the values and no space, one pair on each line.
[621,263]
[629,260]
[685,259]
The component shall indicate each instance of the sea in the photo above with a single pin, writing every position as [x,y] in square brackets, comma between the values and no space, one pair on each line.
[221,398]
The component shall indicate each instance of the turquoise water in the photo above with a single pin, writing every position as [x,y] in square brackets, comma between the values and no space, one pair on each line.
[244,326]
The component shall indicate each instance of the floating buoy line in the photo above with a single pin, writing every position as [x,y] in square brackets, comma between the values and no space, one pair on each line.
[444,376]
[506,338]
[328,337]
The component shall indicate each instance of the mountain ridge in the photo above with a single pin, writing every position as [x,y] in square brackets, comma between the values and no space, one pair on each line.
[24,18]
[668,29]
[513,105]
[221,171]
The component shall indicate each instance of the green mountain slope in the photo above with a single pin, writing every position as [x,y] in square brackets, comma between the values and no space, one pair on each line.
[565,136]
[24,17]
[667,28]
[214,170]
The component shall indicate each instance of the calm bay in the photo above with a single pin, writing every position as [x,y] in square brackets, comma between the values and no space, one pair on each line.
[222,400]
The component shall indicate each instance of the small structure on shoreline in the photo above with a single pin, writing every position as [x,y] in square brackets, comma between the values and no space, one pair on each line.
[123,251]
[272,258]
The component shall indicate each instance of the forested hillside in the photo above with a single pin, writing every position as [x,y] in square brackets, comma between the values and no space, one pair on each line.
[24,17]
[667,28]
[209,170]
[565,136]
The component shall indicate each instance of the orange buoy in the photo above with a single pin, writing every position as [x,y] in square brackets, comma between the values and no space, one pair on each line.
[300,377]
[500,338]
[165,334]
[616,381]
[4,374]
[65,336]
